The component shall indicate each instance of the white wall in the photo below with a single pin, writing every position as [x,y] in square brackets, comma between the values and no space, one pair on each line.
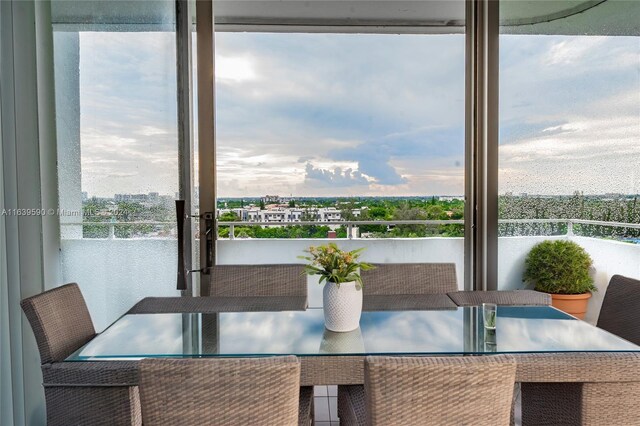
[115,274]
[511,254]
[609,258]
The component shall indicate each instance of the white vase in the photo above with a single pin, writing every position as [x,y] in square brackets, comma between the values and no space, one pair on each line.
[342,306]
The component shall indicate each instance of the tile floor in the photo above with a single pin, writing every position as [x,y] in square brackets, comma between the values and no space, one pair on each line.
[325,400]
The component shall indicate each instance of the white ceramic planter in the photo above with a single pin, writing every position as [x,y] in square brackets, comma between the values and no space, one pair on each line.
[342,306]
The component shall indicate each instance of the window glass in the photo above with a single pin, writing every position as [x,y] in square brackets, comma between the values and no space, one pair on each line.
[569,132]
[117,152]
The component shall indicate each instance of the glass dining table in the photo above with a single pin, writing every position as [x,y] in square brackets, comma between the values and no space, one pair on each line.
[519,330]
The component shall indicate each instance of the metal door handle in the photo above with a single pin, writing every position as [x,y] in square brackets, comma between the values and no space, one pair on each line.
[182,273]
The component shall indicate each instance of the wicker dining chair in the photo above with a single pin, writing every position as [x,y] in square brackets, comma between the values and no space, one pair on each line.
[409,286]
[400,287]
[258,280]
[501,297]
[211,305]
[87,393]
[585,402]
[431,391]
[232,391]
[620,312]
[580,389]
[264,287]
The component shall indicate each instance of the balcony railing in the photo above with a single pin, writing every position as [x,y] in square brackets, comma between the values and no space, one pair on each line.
[351,224]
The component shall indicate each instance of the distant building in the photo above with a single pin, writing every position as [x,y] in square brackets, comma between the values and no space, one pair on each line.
[330,214]
[357,212]
[450,198]
[612,196]
[270,199]
[132,198]
[281,214]
[150,199]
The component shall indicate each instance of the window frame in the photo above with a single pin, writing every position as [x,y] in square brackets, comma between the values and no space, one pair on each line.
[481,28]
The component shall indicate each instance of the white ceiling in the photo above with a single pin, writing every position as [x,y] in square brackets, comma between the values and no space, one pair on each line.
[610,17]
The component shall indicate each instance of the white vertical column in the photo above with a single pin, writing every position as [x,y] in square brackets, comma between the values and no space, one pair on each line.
[52,270]
[6,372]
[67,87]
[29,258]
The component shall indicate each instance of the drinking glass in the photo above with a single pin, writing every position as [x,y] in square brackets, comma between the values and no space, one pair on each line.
[490,315]
[490,341]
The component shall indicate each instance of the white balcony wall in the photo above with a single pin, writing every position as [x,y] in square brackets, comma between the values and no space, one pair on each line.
[147,267]
[385,250]
[609,258]
[512,252]
[114,274]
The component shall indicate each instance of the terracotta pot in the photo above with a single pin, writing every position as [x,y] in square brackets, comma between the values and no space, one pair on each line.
[573,304]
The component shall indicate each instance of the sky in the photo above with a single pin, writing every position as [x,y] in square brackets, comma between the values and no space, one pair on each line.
[355,114]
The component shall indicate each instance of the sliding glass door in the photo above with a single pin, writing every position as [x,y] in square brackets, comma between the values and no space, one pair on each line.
[319,129]
[117,145]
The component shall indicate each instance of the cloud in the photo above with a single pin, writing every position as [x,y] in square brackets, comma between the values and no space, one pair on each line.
[595,151]
[128,118]
[354,114]
[336,177]
[517,130]
[375,157]
[572,50]
[376,164]
[150,131]
[335,117]
[580,122]
[234,69]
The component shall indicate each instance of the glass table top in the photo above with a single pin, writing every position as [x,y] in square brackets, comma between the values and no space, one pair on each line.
[520,329]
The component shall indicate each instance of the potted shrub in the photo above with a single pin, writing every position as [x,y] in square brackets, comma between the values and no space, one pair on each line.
[342,295]
[561,268]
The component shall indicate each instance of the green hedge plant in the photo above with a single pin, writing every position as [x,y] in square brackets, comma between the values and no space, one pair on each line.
[559,267]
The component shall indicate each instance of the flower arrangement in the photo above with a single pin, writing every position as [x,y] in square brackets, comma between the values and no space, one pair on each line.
[334,265]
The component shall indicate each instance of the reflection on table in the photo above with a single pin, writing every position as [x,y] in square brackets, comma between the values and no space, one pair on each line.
[520,330]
